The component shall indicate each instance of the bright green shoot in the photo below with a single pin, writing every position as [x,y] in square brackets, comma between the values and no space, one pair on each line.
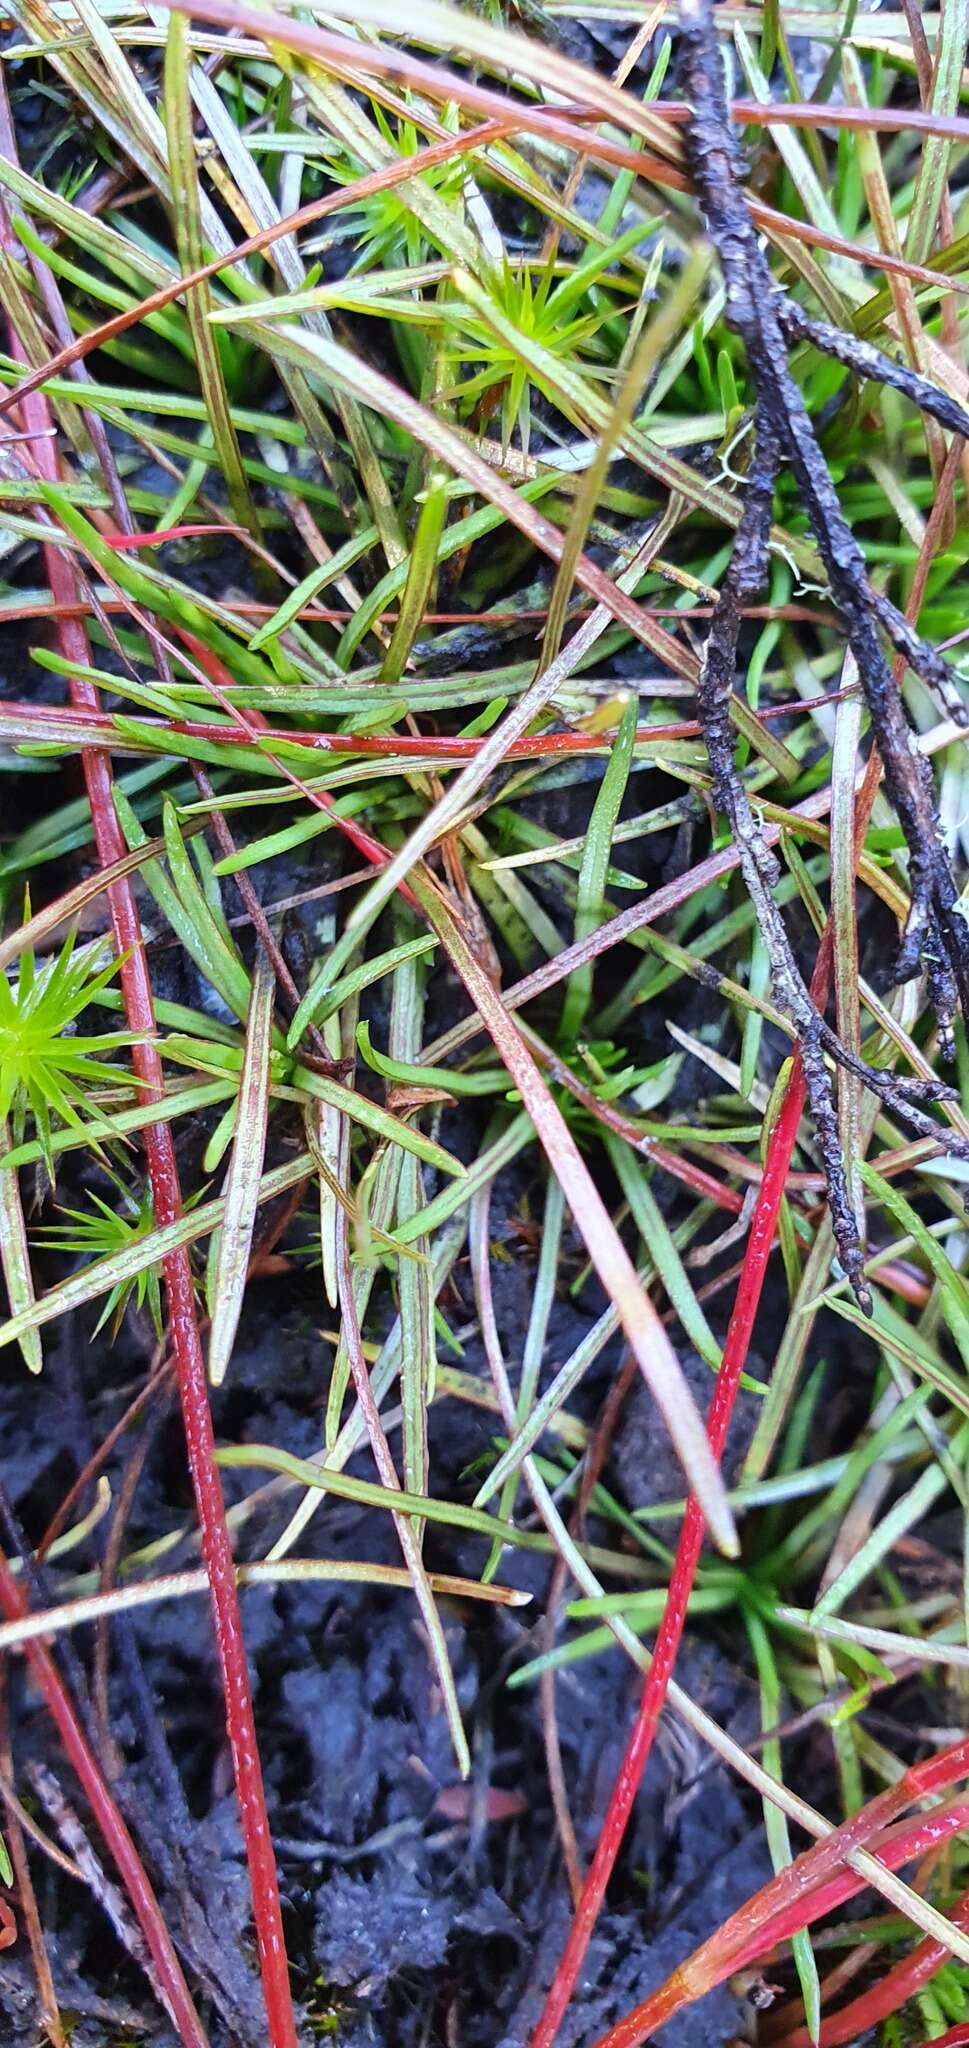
[45,1069]
[384,227]
[566,318]
[100,1232]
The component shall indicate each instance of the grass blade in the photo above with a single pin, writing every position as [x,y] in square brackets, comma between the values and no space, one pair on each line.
[187,224]
[15,1257]
[657,1359]
[241,1194]
[596,857]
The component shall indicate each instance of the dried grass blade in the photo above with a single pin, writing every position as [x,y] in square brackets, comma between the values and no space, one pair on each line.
[657,1359]
[89,1607]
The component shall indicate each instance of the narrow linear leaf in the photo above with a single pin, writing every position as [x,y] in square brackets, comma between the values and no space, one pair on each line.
[325,1479]
[490,1081]
[124,1122]
[244,1175]
[187,224]
[15,1257]
[122,1267]
[589,909]
[299,1571]
[372,970]
[380,1121]
[421,570]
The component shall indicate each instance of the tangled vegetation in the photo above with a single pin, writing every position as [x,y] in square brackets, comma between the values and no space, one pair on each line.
[484,562]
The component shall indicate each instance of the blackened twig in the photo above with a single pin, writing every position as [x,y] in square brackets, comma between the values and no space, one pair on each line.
[922,658]
[871,363]
[936,936]
[745,574]
[742,581]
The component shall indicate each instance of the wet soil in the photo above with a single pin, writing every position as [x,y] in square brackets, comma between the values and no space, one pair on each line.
[419,1911]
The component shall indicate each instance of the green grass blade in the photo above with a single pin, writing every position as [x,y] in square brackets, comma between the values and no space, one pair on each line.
[187,224]
[589,910]
[15,1258]
[241,1194]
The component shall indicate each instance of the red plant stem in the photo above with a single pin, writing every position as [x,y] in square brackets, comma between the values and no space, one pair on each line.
[746,1303]
[704,1184]
[164,533]
[780,1904]
[898,1845]
[640,1742]
[893,1850]
[957,2037]
[893,1991]
[32,607]
[450,746]
[801,113]
[168,1970]
[447,746]
[186,1342]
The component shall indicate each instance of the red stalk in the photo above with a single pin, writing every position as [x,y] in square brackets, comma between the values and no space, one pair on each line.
[447,746]
[640,1742]
[190,1363]
[889,1995]
[163,533]
[897,1847]
[340,615]
[788,1900]
[704,1184]
[168,1970]
[749,1289]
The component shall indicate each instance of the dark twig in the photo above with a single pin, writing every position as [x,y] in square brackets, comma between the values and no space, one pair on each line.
[867,361]
[923,659]
[936,936]
[744,573]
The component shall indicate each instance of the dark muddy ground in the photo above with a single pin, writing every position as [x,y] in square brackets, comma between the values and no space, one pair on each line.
[417,1913]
